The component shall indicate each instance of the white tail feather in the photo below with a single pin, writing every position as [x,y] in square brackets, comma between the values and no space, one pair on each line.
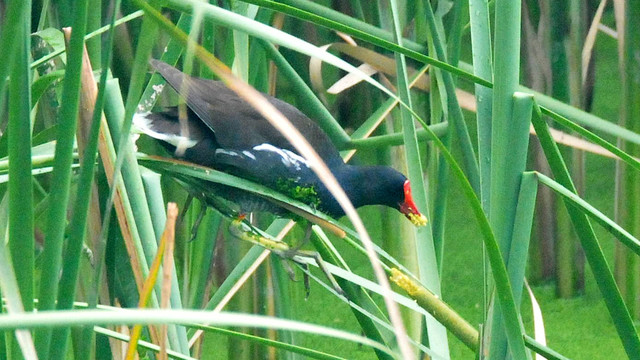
[142,124]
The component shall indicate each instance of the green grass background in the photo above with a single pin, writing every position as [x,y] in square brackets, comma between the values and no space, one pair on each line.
[579,328]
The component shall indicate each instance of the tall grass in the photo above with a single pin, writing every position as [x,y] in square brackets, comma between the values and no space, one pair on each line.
[627,273]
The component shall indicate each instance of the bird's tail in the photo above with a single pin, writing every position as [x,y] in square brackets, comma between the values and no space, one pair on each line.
[163,127]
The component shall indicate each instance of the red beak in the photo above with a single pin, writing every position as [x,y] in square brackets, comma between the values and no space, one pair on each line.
[409,208]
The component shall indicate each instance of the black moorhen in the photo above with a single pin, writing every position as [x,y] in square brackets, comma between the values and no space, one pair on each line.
[226,133]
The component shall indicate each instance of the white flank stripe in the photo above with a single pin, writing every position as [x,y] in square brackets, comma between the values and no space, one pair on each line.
[144,125]
[287,157]
[249,154]
[226,152]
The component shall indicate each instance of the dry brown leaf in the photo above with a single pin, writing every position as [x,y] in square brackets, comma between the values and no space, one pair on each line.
[350,79]
[315,76]
[346,38]
[618,11]
[382,63]
[375,61]
[590,40]
[608,31]
[466,99]
[379,62]
[577,143]
[167,271]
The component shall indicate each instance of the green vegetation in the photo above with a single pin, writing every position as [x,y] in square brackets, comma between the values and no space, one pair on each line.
[305,194]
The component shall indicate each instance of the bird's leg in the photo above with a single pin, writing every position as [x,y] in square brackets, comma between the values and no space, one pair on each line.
[305,239]
[289,270]
[281,248]
[296,250]
[316,256]
[186,206]
[292,274]
[196,224]
[305,277]
[236,229]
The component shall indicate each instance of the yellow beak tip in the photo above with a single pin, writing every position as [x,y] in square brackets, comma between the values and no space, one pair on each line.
[417,220]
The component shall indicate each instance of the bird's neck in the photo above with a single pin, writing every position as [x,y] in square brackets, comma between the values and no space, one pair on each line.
[362,182]
[364,185]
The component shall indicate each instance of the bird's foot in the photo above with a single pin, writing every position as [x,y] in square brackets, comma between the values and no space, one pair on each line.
[291,255]
[239,229]
[292,275]
[243,231]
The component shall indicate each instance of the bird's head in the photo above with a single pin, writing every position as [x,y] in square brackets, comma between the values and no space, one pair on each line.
[409,208]
[385,186]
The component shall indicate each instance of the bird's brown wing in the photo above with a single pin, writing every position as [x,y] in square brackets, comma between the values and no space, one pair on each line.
[236,124]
